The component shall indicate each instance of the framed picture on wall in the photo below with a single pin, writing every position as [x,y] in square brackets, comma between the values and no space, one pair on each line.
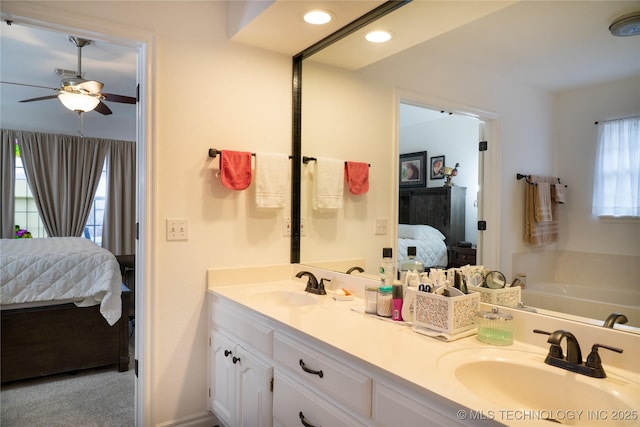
[437,163]
[413,172]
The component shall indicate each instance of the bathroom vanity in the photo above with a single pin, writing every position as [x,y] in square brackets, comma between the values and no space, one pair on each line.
[282,356]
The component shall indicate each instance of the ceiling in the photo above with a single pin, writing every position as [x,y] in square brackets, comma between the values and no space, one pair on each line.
[542,41]
[31,55]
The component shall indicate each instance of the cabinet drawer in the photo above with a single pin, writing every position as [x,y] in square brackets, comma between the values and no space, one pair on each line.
[333,376]
[395,408]
[248,330]
[294,403]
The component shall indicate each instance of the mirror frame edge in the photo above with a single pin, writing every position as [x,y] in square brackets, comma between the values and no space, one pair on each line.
[296,139]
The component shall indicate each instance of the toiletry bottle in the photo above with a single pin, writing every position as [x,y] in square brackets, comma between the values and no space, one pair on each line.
[411,263]
[387,267]
[396,302]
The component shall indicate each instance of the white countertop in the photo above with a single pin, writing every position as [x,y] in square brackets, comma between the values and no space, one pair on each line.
[392,347]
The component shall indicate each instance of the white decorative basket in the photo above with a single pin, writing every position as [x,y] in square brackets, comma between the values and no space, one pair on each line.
[451,315]
[506,297]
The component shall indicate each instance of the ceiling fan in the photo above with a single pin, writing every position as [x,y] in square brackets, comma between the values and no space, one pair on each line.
[78,94]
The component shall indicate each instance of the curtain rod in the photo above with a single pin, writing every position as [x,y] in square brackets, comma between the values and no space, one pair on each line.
[620,118]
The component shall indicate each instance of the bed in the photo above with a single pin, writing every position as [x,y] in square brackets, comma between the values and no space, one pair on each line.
[430,245]
[62,300]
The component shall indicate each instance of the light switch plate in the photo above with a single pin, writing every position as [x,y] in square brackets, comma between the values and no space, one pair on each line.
[177,229]
[381,226]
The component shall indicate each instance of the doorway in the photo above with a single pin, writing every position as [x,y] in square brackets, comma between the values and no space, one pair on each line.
[435,126]
[141,132]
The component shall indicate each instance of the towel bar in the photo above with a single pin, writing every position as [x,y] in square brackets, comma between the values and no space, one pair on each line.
[213,152]
[306,159]
[520,176]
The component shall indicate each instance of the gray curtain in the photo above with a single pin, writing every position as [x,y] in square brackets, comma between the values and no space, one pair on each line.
[63,172]
[7,186]
[118,232]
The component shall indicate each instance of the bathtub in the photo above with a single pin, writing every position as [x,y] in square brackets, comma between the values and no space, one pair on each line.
[583,300]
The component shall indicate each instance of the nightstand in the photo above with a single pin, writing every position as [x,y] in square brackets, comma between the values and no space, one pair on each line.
[461,256]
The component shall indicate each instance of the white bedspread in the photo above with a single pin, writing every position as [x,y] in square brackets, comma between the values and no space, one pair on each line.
[429,243]
[432,252]
[60,268]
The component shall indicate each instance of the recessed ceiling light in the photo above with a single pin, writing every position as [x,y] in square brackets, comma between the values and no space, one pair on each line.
[378,36]
[317,17]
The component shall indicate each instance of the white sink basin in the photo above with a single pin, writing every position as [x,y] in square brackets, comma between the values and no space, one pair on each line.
[285,297]
[520,380]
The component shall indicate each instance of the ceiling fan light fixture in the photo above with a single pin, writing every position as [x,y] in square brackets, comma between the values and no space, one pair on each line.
[626,25]
[317,17]
[78,102]
[378,36]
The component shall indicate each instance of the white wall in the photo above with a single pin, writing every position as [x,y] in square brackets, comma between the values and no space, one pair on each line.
[348,119]
[207,93]
[576,136]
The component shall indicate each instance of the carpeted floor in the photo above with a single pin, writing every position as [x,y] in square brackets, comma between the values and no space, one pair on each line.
[92,398]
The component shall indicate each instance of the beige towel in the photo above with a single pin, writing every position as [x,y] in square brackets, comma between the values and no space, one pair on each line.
[542,201]
[328,185]
[272,179]
[558,193]
[539,233]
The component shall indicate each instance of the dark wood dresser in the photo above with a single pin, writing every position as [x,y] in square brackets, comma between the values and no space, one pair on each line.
[461,256]
[440,207]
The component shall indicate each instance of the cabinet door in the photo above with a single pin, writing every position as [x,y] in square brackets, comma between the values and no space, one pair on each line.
[254,396]
[222,378]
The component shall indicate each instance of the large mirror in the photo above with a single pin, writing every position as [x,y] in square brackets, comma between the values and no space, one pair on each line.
[534,77]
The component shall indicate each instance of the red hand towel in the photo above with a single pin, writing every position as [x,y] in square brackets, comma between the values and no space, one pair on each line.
[357,176]
[235,169]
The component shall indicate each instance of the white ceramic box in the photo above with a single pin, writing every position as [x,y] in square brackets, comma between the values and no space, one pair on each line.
[451,315]
[506,297]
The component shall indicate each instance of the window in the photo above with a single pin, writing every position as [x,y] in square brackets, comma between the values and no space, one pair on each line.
[26,212]
[28,218]
[616,189]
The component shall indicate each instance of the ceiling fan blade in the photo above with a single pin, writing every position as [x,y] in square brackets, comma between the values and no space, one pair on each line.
[103,109]
[25,84]
[119,98]
[41,98]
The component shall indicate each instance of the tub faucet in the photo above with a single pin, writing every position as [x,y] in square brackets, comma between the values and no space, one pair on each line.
[614,318]
[356,268]
[312,283]
[592,367]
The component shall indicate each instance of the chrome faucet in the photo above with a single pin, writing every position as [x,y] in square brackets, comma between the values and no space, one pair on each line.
[312,283]
[614,318]
[592,367]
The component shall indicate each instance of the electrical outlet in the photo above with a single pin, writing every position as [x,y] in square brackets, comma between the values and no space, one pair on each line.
[303,228]
[177,229]
[286,227]
[381,226]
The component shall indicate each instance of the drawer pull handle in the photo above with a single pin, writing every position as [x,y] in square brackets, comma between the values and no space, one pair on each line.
[227,353]
[235,360]
[310,371]
[304,421]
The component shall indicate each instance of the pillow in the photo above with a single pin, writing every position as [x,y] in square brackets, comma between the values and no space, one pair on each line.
[419,232]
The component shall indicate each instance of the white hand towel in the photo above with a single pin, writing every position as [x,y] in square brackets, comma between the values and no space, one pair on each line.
[272,179]
[328,184]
